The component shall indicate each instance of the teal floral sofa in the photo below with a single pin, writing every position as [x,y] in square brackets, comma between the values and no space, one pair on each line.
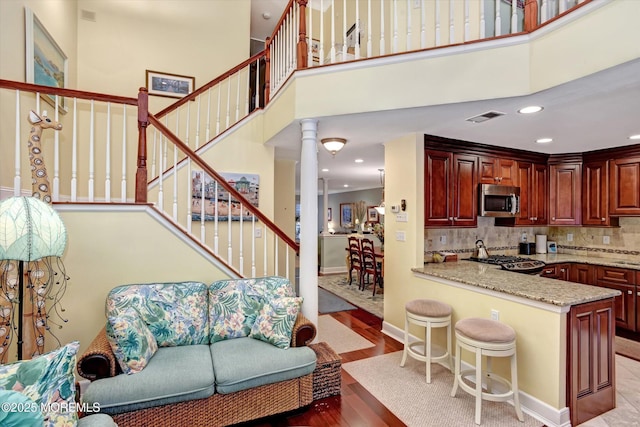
[194,354]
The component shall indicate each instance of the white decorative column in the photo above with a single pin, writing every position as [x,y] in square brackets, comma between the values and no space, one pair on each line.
[325,205]
[309,219]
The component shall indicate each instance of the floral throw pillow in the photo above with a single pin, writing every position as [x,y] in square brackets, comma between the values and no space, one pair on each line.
[18,410]
[48,381]
[132,342]
[231,313]
[275,321]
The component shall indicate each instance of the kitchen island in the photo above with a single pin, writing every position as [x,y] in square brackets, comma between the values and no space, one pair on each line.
[565,333]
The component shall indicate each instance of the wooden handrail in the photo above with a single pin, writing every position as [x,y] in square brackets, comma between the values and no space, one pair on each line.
[221,181]
[280,21]
[212,83]
[71,93]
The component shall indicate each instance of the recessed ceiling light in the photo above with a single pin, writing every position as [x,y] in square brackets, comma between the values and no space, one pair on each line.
[635,136]
[325,170]
[544,140]
[346,185]
[359,160]
[530,109]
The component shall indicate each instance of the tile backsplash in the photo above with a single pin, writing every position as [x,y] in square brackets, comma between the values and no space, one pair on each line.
[624,241]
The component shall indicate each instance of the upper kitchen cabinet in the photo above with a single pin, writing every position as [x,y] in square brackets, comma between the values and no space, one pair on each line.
[496,170]
[532,178]
[595,194]
[450,191]
[624,185]
[565,198]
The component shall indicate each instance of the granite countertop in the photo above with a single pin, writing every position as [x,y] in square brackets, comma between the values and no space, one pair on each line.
[562,258]
[551,291]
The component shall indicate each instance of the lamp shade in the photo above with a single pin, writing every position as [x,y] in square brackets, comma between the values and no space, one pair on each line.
[333,145]
[30,230]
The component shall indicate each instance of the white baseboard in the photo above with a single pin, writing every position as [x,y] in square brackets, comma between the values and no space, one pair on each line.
[534,407]
[333,270]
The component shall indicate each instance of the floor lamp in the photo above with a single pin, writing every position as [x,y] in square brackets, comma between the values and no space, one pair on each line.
[32,238]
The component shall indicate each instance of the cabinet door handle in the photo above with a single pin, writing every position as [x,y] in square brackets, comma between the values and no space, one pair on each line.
[630,292]
[450,218]
[562,270]
[455,218]
[548,271]
[553,219]
[603,219]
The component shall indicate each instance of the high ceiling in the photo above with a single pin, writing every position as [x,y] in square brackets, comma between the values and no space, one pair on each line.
[595,112]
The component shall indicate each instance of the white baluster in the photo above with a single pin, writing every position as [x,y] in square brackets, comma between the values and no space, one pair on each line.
[437,22]
[175,169]
[218,113]
[395,27]
[153,155]
[17,179]
[238,98]
[56,154]
[258,89]
[482,21]
[92,142]
[423,25]
[408,25]
[253,246]
[203,207]
[544,11]
[74,153]
[286,259]
[344,30]
[216,237]
[264,252]
[467,30]
[514,16]
[310,33]
[197,143]
[189,194]
[382,41]
[498,23]
[357,50]
[241,248]
[452,30]
[247,96]
[369,36]
[228,102]
[275,254]
[207,135]
[333,32]
[123,182]
[229,244]
[107,180]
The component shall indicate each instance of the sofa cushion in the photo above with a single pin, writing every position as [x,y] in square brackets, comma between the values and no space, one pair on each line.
[231,314]
[176,313]
[275,321]
[46,379]
[245,363]
[264,288]
[132,342]
[174,374]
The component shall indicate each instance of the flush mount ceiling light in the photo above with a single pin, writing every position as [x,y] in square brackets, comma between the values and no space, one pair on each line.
[359,161]
[530,109]
[485,116]
[635,136]
[325,170]
[544,140]
[333,145]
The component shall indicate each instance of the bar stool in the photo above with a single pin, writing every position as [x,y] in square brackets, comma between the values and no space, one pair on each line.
[428,314]
[486,337]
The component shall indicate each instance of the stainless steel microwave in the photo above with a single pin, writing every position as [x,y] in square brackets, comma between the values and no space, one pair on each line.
[498,200]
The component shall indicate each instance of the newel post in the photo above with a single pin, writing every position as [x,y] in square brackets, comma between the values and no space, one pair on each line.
[530,15]
[302,36]
[267,70]
[143,121]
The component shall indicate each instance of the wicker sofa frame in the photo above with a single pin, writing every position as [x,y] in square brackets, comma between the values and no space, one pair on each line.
[98,361]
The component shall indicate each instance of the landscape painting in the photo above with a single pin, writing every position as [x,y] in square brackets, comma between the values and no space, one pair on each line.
[215,199]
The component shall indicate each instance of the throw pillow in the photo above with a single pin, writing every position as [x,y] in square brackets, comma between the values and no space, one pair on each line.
[231,313]
[132,342]
[18,410]
[275,321]
[47,380]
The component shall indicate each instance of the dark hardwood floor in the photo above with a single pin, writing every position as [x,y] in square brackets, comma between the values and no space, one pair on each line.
[355,406]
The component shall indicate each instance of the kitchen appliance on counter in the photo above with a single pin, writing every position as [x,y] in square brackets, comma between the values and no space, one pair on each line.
[481,250]
[541,243]
[527,248]
[513,263]
[498,200]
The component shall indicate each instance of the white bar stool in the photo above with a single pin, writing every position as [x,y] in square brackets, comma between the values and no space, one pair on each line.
[486,337]
[429,314]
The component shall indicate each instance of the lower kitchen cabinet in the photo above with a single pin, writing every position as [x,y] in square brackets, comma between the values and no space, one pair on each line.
[582,273]
[591,379]
[623,280]
[556,271]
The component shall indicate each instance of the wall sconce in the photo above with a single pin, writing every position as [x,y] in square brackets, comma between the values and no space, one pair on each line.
[333,145]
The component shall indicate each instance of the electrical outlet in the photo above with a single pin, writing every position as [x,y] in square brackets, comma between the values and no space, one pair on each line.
[401,236]
[606,240]
[258,233]
[495,314]
[524,236]
[570,237]
[402,217]
[443,240]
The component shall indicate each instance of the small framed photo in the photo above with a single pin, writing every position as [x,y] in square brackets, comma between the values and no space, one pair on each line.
[372,214]
[46,64]
[346,215]
[329,216]
[315,50]
[170,85]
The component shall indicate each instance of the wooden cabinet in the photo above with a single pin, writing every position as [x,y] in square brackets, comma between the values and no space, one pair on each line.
[590,371]
[624,186]
[595,194]
[565,201]
[532,180]
[556,271]
[495,170]
[623,280]
[451,196]
[638,301]
[582,273]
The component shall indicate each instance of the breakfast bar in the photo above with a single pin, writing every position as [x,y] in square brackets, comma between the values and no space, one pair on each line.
[562,329]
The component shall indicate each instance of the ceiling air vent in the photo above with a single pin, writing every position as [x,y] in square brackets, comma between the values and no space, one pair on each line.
[485,116]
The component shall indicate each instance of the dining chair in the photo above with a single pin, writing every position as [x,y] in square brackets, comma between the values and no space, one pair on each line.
[355,259]
[371,269]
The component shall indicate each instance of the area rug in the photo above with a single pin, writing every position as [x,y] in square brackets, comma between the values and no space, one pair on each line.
[330,303]
[338,284]
[628,348]
[404,392]
[340,337]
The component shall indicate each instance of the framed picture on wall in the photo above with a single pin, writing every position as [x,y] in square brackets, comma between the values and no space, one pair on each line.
[170,85]
[346,215]
[372,214]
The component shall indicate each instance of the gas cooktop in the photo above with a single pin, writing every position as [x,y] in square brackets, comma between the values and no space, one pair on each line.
[513,263]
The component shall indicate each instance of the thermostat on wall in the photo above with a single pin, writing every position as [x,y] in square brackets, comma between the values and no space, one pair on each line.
[395,208]
[552,248]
